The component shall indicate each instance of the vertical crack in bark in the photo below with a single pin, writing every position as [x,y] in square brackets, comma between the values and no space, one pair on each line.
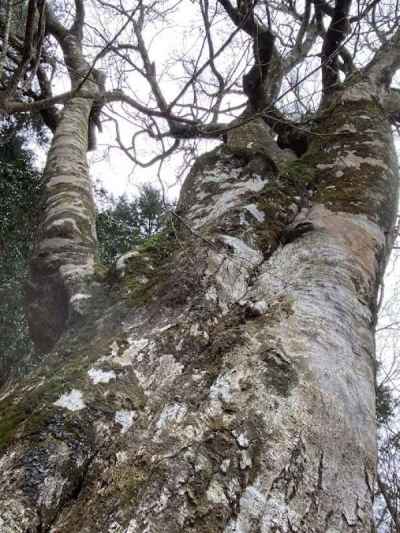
[68,500]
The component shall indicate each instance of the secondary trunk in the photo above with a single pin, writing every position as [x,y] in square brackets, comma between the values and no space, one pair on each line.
[224,381]
[65,248]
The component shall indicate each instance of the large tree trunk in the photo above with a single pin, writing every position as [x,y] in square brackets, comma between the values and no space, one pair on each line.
[66,243]
[224,381]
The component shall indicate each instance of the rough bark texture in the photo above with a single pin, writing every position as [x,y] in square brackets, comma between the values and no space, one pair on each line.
[223,383]
[64,254]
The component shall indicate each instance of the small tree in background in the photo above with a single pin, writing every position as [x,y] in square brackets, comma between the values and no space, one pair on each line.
[125,223]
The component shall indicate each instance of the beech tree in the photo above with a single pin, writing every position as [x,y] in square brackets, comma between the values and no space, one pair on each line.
[223,377]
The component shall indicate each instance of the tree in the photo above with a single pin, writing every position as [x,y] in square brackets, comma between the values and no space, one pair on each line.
[222,378]
[127,223]
[120,225]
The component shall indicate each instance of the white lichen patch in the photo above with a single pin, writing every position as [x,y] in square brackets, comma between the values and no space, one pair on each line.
[211,294]
[135,352]
[257,308]
[121,263]
[252,505]
[133,527]
[228,198]
[326,166]
[121,457]
[125,419]
[346,128]
[62,223]
[245,460]
[166,328]
[79,296]
[278,512]
[202,464]
[115,527]
[230,271]
[220,175]
[102,429]
[241,439]
[255,212]
[224,466]
[66,180]
[114,349]
[73,401]
[379,144]
[351,159]
[171,414]
[216,494]
[97,375]
[77,272]
[51,490]
[195,330]
[226,390]
[241,250]
[165,369]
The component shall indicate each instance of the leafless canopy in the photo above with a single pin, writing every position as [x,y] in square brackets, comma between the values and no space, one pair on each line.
[178,71]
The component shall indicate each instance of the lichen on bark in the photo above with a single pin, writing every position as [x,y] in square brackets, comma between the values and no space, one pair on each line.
[223,382]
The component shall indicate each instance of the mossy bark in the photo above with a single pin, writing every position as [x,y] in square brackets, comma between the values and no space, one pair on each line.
[226,384]
[66,242]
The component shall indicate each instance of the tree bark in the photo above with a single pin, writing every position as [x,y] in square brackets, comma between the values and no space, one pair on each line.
[224,380]
[66,243]
[63,259]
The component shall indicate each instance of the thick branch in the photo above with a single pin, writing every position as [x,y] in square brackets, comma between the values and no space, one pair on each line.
[50,114]
[385,62]
[385,491]
[337,31]
[28,50]
[77,27]
[53,25]
[391,104]
[305,40]
[267,62]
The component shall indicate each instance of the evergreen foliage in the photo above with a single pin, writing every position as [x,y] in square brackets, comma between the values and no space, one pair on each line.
[126,223]
[20,192]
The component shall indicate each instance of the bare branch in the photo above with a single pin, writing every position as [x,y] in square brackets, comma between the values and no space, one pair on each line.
[384,490]
[267,60]
[385,62]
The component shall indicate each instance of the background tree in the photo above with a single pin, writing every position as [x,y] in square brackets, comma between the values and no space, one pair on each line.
[125,223]
[225,379]
[21,193]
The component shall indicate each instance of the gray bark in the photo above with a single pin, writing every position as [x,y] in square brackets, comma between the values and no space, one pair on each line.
[223,383]
[64,254]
